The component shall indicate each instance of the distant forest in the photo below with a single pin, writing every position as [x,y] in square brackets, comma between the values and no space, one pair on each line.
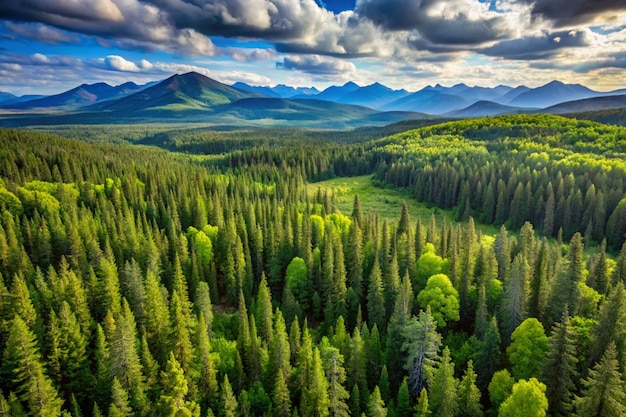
[191,272]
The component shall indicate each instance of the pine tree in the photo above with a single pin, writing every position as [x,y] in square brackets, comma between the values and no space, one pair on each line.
[488,357]
[157,317]
[443,388]
[125,364]
[70,353]
[119,400]
[205,366]
[611,322]
[279,352]
[403,401]
[34,388]
[357,362]
[566,292]
[228,403]
[396,359]
[376,406]
[315,401]
[263,313]
[469,395]
[280,398]
[422,345]
[172,401]
[375,299]
[422,408]
[336,376]
[603,394]
[559,368]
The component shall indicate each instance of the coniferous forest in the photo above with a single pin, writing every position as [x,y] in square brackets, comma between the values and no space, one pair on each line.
[193,272]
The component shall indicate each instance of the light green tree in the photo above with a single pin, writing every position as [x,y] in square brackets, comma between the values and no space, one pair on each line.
[442,298]
[527,399]
[528,349]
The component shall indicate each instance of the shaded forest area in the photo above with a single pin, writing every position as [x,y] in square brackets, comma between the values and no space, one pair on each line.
[139,282]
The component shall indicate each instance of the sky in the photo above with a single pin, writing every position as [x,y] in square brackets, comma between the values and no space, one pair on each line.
[49,46]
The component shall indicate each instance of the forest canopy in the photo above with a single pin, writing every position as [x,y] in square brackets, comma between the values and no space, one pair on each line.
[137,281]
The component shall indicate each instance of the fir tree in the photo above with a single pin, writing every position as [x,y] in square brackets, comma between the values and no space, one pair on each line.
[469,395]
[22,357]
[443,388]
[559,368]
[603,394]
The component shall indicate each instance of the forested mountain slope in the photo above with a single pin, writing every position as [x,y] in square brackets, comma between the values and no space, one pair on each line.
[135,281]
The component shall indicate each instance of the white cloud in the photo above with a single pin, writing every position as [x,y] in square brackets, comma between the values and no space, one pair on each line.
[118,63]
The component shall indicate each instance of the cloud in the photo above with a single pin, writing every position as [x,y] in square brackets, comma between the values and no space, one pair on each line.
[41,33]
[538,47]
[441,22]
[575,12]
[250,54]
[118,63]
[50,74]
[316,64]
[130,23]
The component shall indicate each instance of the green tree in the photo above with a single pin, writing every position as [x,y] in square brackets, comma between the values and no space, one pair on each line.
[34,388]
[443,388]
[125,364]
[527,399]
[280,398]
[422,345]
[228,404]
[263,313]
[488,357]
[375,299]
[603,394]
[469,395]
[427,265]
[611,322]
[500,387]
[119,400]
[172,402]
[336,376]
[528,349]
[559,368]
[297,280]
[422,408]
[376,406]
[403,402]
[442,298]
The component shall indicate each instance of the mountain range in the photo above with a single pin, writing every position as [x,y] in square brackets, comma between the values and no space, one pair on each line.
[193,96]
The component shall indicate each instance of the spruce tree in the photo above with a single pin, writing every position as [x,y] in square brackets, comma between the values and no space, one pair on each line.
[603,394]
[34,388]
[468,394]
[559,368]
[172,401]
[422,346]
[375,300]
[376,406]
[443,388]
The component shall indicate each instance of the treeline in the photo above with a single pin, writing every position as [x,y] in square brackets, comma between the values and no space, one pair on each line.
[138,282]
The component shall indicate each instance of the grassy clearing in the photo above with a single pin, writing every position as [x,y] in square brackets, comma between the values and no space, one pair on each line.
[386,202]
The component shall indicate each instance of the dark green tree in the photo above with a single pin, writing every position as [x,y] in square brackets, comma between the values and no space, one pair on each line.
[559,368]
[603,394]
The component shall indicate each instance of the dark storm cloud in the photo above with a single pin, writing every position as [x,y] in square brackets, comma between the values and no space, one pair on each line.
[41,33]
[534,48]
[572,12]
[438,32]
[617,61]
